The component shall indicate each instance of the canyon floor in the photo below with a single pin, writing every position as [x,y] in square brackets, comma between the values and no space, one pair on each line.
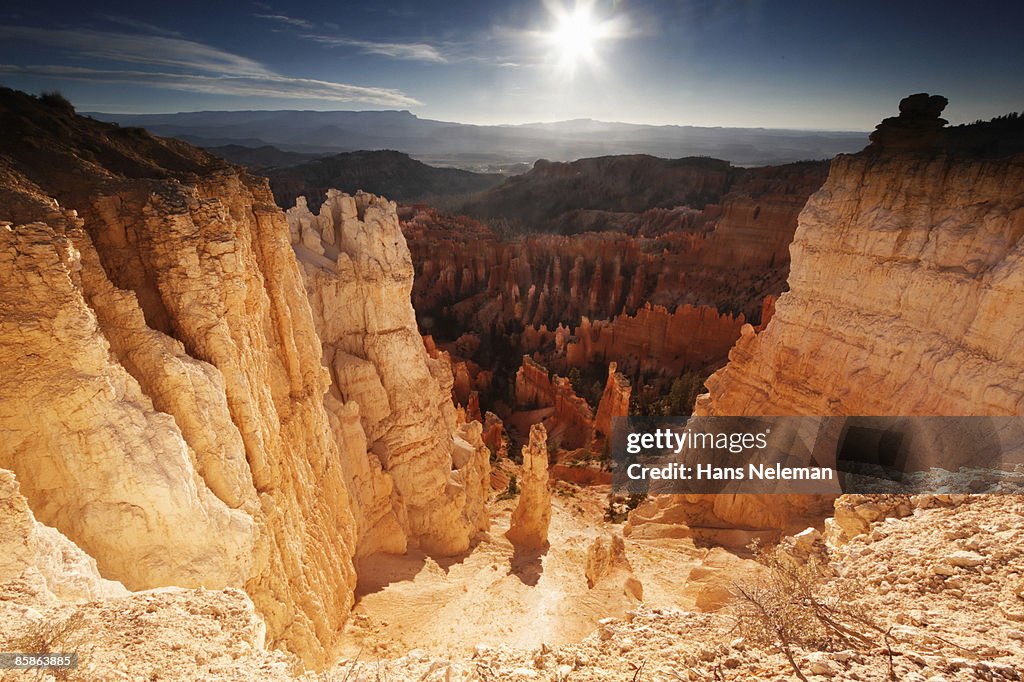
[944,619]
[495,596]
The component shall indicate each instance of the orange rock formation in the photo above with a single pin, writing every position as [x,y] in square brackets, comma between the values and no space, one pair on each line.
[529,525]
[614,401]
[568,419]
[424,474]
[655,340]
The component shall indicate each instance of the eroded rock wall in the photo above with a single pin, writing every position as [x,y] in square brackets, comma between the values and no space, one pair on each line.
[656,341]
[568,418]
[162,392]
[38,564]
[424,475]
[907,297]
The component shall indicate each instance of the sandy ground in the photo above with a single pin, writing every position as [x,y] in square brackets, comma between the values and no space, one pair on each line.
[945,583]
[493,596]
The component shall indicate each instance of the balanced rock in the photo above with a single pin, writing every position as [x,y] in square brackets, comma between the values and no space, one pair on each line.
[918,126]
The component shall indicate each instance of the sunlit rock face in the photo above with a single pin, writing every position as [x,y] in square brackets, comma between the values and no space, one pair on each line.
[419,477]
[906,298]
[38,564]
[907,286]
[161,392]
[614,401]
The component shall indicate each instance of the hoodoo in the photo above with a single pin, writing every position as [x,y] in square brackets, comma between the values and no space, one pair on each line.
[530,520]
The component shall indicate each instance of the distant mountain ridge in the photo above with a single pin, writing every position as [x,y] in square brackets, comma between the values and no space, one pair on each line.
[386,172]
[487,148]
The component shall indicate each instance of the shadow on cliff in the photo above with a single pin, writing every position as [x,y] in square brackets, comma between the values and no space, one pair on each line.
[527,564]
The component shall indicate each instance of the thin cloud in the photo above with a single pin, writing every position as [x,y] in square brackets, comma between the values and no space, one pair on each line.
[412,51]
[286,20]
[271,85]
[131,48]
[141,26]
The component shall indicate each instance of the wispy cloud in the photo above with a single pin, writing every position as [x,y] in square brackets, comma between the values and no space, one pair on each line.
[286,20]
[141,26]
[413,51]
[244,86]
[133,48]
[307,30]
[173,63]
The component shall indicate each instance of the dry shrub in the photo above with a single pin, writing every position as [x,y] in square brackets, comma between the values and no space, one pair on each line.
[798,602]
[56,636]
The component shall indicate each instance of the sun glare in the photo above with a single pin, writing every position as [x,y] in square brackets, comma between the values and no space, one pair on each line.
[576,35]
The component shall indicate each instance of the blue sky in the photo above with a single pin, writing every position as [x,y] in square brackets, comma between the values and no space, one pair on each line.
[761,63]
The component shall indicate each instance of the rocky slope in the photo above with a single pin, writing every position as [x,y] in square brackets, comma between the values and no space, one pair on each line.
[537,200]
[942,621]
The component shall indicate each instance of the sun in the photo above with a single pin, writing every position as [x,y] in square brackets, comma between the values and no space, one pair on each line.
[576,34]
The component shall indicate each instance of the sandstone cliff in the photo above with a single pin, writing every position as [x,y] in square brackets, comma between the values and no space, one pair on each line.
[416,474]
[162,393]
[906,298]
[38,564]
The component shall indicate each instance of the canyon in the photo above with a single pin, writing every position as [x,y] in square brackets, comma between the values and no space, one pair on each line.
[652,264]
[253,437]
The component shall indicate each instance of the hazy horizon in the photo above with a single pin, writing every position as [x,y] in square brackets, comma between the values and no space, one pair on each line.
[469,123]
